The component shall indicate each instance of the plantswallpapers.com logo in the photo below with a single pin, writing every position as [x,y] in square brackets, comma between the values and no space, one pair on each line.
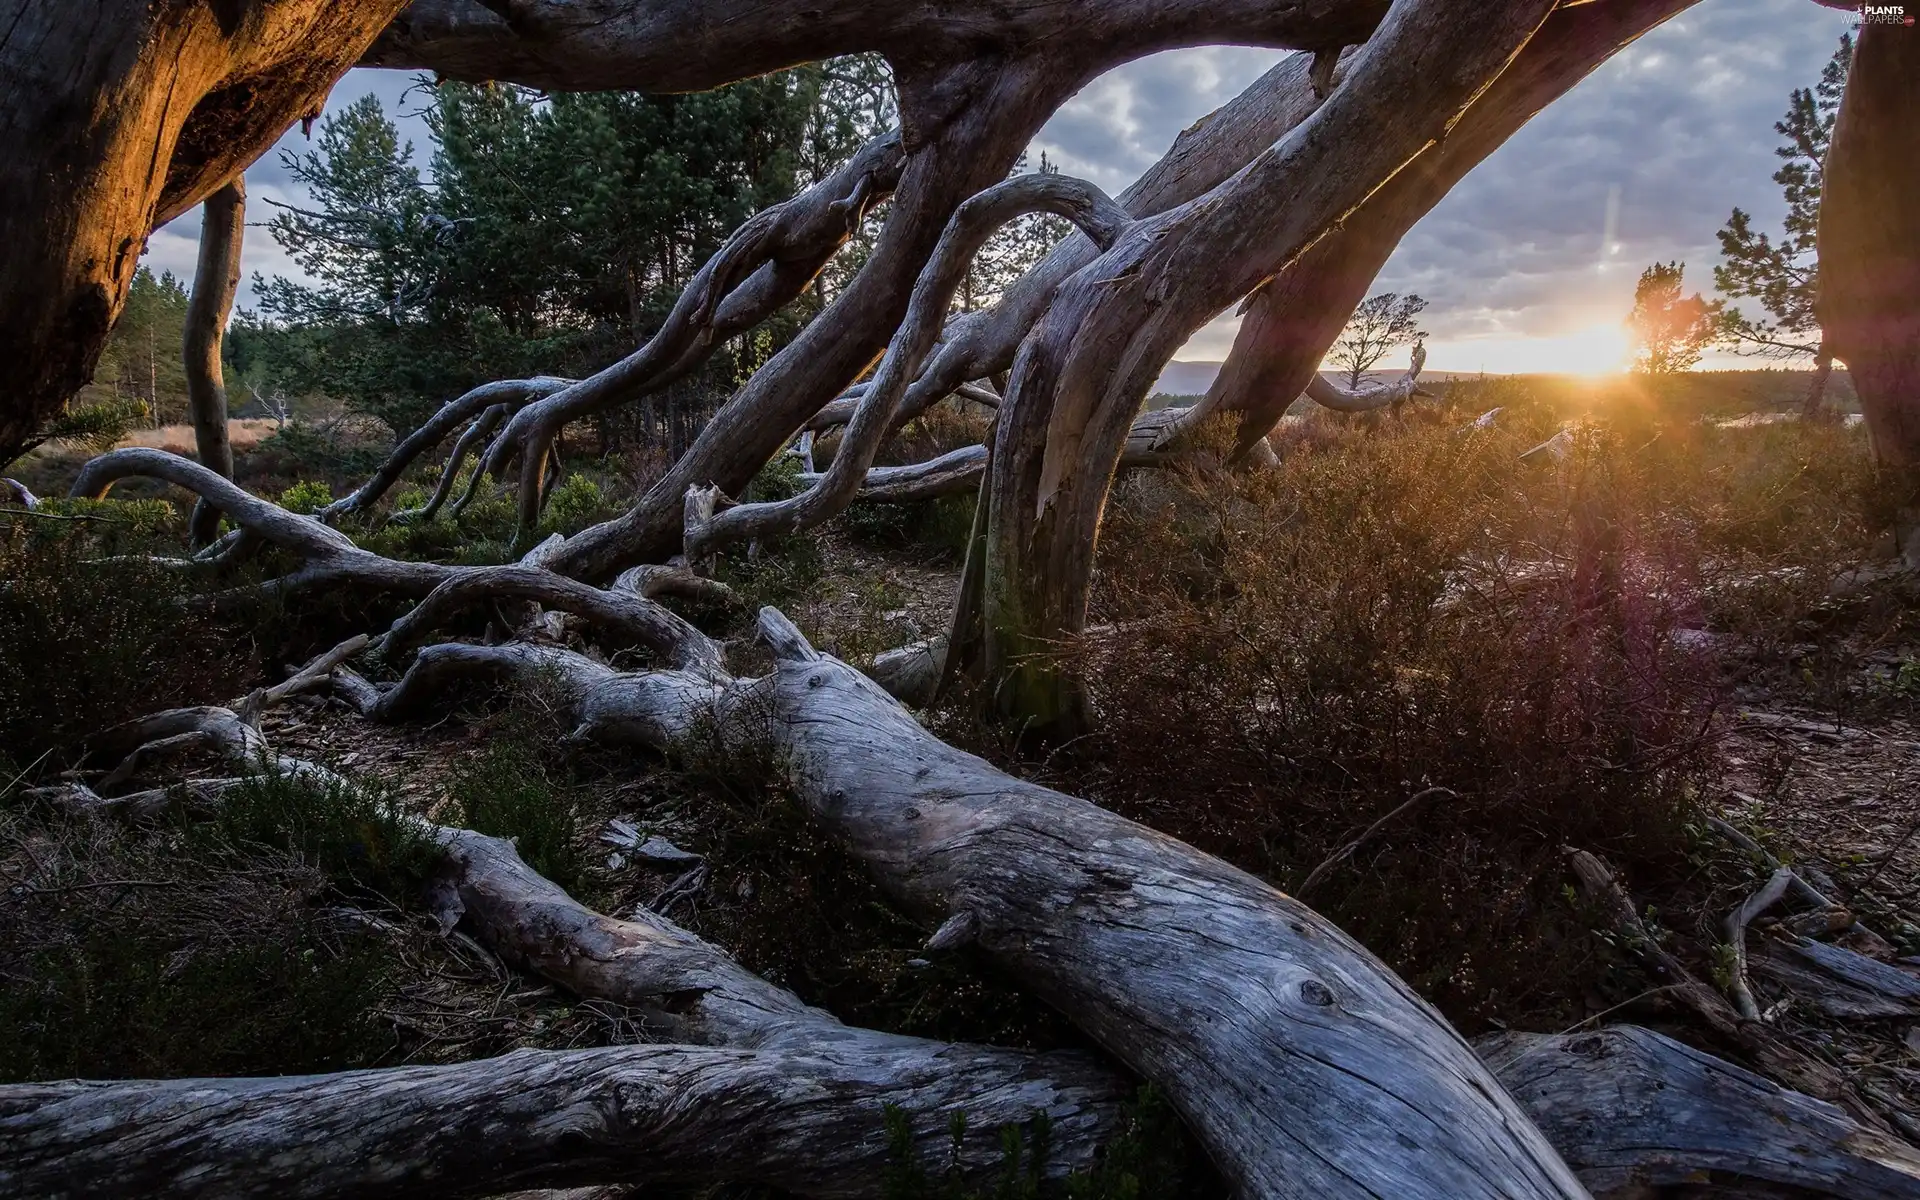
[1884,14]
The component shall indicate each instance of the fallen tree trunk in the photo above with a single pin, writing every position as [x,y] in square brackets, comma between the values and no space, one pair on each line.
[659,1114]
[1631,1110]
[806,1120]
[1305,1066]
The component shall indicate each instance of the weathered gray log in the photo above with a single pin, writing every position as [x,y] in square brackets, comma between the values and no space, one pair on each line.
[954,473]
[1303,1064]
[1858,969]
[473,406]
[331,559]
[681,46]
[216,278]
[655,582]
[1756,1039]
[1630,1109]
[684,987]
[622,612]
[806,1120]
[976,220]
[911,673]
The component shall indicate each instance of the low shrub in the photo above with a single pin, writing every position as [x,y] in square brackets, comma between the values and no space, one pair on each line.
[1412,607]
[306,497]
[577,503]
[160,954]
[92,634]
[505,790]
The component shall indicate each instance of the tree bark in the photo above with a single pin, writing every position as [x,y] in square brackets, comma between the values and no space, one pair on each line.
[119,115]
[216,278]
[1082,374]
[694,45]
[807,1120]
[1869,241]
[1633,1110]
[1292,319]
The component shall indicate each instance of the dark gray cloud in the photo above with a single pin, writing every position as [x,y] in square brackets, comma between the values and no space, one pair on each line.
[1679,127]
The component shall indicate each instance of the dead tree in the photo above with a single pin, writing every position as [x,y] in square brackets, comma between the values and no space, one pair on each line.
[216,279]
[1301,1063]
[1869,242]
[1324,1049]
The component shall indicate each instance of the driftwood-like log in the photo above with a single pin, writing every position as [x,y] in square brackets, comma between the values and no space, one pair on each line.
[1630,1109]
[1304,1065]
[1776,1056]
[614,610]
[806,1120]
[954,473]
[471,409]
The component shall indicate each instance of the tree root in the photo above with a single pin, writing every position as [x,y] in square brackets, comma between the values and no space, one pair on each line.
[1775,1056]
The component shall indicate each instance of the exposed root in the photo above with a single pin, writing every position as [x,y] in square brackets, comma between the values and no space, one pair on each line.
[1736,925]
[619,611]
[1776,1056]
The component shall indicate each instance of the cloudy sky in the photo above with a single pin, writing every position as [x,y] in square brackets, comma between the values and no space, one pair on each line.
[1528,265]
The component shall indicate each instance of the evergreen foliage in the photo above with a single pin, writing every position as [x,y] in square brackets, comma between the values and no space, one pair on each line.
[1782,275]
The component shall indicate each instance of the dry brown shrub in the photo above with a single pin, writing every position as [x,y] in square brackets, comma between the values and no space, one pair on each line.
[1288,655]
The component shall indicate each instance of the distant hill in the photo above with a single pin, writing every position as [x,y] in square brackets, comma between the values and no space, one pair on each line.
[1194,378]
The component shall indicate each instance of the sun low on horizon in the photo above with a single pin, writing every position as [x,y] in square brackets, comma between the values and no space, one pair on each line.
[1599,349]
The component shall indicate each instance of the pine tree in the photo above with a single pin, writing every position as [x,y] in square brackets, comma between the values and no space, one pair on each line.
[1781,274]
[550,235]
[1670,329]
[1378,324]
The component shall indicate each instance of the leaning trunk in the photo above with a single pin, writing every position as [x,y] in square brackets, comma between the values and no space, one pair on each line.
[215,280]
[1869,302]
[1082,374]
[1304,1065]
[118,116]
[1293,318]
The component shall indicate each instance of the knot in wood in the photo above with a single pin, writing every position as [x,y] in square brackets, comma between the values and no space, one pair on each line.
[1591,1046]
[816,680]
[1316,993]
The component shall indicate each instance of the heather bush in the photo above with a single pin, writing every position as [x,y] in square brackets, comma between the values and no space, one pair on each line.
[1282,657]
